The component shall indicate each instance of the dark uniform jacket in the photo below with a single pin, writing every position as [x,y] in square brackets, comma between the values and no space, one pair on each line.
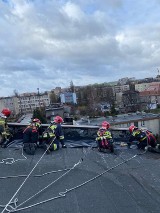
[30,134]
[144,138]
[55,130]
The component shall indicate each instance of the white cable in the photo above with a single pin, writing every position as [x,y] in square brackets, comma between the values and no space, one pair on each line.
[26,179]
[63,194]
[44,187]
[46,173]
[49,184]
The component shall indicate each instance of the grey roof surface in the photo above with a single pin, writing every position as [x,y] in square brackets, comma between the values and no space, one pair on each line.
[122,118]
[133,186]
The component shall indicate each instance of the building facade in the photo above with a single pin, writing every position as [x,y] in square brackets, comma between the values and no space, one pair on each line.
[68,97]
[151,95]
[142,86]
[11,103]
[28,102]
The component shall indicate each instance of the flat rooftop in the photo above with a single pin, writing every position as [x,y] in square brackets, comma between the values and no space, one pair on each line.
[101,182]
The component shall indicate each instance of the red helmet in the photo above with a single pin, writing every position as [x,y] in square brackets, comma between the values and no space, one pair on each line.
[36,120]
[58,119]
[6,112]
[132,127]
[105,124]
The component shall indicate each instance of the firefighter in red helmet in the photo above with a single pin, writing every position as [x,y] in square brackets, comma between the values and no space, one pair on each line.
[5,132]
[144,138]
[104,138]
[31,136]
[53,135]
[6,112]
[58,120]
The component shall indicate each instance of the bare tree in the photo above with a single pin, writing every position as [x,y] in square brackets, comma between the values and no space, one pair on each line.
[131,101]
[72,87]
[15,92]
[53,97]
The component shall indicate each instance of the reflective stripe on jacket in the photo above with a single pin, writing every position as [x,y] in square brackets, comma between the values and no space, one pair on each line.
[103,133]
[138,135]
[55,130]
[2,123]
[50,132]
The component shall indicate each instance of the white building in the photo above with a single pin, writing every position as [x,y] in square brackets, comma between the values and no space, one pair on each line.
[141,87]
[11,103]
[1,104]
[29,101]
[141,120]
[121,88]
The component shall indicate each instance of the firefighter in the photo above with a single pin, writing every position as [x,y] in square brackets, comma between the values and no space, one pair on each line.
[144,138]
[5,131]
[53,135]
[38,124]
[104,137]
[31,136]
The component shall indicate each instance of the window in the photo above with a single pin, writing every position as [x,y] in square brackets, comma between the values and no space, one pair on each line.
[142,123]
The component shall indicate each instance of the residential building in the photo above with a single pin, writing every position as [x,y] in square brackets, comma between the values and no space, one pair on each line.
[1,104]
[53,110]
[11,103]
[142,86]
[140,119]
[68,97]
[29,101]
[121,88]
[151,95]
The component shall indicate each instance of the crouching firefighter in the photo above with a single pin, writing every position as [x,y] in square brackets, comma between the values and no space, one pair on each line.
[5,132]
[104,138]
[30,137]
[53,135]
[144,138]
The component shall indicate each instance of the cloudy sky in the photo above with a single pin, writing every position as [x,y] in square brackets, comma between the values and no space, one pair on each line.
[49,43]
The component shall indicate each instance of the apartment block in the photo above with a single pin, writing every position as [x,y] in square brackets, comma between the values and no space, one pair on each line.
[29,101]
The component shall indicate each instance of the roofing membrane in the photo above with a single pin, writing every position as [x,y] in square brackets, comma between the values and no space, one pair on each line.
[80,180]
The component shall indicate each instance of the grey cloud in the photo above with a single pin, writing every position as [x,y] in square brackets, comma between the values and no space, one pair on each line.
[48,44]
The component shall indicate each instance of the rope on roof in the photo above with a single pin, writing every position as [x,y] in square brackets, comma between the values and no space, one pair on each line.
[63,194]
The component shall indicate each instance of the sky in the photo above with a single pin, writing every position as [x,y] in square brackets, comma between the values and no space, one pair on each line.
[49,43]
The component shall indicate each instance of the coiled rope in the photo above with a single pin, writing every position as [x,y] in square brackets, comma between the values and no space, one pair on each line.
[12,160]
